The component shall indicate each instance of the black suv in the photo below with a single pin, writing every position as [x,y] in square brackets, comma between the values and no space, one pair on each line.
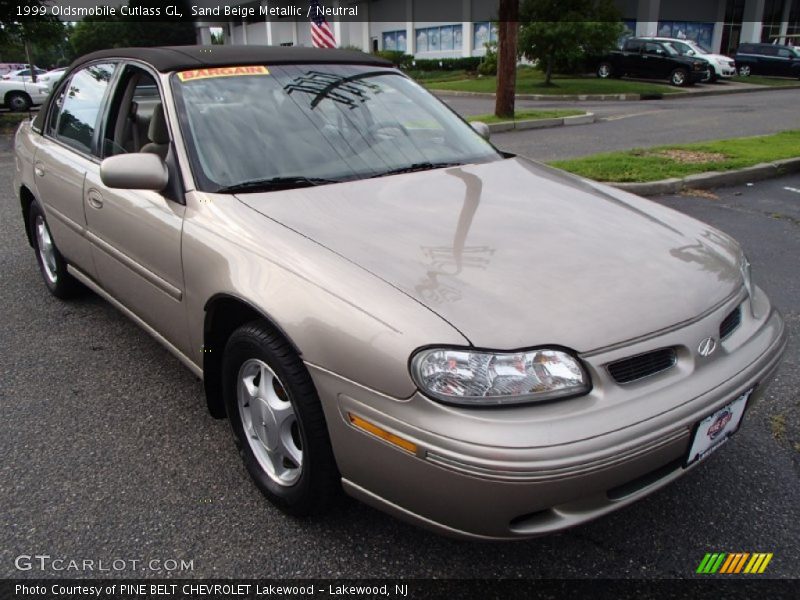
[655,59]
[767,59]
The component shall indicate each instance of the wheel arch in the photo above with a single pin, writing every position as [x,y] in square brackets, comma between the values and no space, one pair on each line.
[224,313]
[26,199]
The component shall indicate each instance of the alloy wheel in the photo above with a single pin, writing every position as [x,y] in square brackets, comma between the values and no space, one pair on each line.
[270,422]
[46,248]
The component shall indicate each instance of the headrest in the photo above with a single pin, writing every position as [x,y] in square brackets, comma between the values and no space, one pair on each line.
[158,131]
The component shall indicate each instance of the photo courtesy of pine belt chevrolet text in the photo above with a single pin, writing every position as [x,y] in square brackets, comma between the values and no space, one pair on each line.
[381,302]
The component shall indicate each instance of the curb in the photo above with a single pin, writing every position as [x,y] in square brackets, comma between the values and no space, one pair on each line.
[724,92]
[713,179]
[615,97]
[541,123]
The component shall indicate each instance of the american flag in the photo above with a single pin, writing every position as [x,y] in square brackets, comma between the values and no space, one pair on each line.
[321,34]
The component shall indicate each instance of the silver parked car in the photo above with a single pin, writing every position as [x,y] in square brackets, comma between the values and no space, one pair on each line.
[378,300]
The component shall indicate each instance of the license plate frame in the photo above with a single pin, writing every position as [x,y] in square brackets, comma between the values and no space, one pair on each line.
[710,433]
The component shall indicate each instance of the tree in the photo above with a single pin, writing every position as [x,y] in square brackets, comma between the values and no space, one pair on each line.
[40,36]
[564,30]
[99,33]
[508,28]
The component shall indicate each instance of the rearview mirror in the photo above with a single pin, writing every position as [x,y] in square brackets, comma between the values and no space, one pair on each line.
[690,53]
[482,129]
[135,171]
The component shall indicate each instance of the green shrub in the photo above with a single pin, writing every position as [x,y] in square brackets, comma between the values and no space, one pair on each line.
[396,57]
[488,65]
[446,64]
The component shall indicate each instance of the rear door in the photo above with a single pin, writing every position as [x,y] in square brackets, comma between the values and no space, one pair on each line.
[136,234]
[66,153]
[768,62]
[631,58]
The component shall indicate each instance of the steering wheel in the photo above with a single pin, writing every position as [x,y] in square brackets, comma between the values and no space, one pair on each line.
[360,139]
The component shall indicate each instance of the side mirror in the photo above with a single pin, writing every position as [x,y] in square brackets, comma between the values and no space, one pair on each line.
[482,129]
[135,171]
[690,53]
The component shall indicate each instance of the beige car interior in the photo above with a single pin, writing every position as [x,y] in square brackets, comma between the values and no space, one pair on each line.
[140,124]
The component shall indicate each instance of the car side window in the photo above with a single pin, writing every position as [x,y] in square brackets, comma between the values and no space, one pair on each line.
[651,48]
[633,46]
[75,116]
[136,120]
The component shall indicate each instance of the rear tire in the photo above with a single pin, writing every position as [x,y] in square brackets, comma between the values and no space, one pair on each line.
[52,265]
[679,77]
[277,421]
[18,102]
[745,71]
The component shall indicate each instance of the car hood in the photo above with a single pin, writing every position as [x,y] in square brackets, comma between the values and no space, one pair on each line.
[513,253]
[718,57]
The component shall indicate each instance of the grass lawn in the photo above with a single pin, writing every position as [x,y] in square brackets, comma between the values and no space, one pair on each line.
[531,81]
[529,114]
[9,121]
[426,77]
[663,162]
[768,81]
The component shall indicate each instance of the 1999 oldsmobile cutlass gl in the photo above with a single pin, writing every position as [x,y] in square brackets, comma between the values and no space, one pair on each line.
[377,299]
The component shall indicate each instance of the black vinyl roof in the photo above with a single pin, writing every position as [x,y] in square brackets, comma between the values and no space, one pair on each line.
[179,58]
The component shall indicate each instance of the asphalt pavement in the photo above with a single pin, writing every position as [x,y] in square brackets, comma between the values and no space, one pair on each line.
[628,124]
[109,453]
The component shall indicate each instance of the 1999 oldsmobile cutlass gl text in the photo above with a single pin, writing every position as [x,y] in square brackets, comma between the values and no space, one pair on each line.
[220,10]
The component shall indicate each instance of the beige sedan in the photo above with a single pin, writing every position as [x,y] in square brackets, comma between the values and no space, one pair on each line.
[380,301]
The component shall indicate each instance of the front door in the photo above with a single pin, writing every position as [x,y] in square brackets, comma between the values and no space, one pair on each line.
[136,234]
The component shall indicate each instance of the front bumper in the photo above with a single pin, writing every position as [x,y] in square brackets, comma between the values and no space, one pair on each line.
[699,76]
[517,473]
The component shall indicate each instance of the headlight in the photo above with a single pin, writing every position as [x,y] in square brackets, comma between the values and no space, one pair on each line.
[481,378]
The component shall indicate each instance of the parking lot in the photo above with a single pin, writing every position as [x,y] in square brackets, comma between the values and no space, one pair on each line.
[109,452]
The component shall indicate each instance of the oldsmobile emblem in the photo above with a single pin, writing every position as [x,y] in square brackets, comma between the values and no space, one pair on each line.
[707,347]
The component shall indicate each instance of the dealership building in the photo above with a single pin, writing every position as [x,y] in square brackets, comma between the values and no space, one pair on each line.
[454,28]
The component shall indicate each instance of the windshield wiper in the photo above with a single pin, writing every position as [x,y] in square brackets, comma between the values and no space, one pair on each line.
[420,166]
[274,183]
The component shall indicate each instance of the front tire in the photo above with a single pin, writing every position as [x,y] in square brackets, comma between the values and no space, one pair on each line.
[605,70]
[52,265]
[277,421]
[679,78]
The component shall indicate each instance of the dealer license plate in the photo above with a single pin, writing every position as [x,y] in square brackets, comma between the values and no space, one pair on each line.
[714,430]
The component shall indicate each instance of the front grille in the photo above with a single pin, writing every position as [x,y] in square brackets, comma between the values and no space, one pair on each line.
[642,365]
[730,323]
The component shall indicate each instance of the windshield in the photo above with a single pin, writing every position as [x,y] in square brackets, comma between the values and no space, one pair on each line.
[691,45]
[297,125]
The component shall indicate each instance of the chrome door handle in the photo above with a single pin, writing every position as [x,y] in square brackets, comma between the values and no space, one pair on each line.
[95,200]
[39,171]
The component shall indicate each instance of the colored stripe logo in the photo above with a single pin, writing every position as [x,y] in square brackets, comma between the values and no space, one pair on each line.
[734,563]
